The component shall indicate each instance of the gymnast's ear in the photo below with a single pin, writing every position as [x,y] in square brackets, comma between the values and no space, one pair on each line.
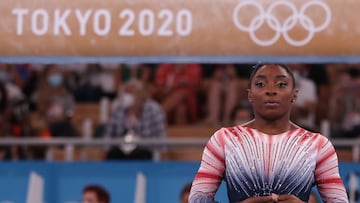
[250,97]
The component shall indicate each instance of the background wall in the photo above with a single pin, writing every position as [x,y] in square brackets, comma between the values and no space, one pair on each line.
[63,182]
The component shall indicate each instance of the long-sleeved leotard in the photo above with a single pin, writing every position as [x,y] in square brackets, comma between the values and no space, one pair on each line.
[253,164]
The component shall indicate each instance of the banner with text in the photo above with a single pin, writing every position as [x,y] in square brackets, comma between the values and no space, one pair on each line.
[179,28]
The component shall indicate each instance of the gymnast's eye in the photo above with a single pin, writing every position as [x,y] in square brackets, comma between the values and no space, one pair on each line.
[259,84]
[282,84]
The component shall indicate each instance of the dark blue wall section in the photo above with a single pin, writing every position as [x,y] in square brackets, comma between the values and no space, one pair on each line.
[63,182]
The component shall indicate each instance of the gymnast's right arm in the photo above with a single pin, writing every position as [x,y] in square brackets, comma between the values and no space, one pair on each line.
[210,173]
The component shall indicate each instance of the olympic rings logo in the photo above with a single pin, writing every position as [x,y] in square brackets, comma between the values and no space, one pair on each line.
[281,29]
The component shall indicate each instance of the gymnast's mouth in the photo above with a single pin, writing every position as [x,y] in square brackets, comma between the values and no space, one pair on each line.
[271,103]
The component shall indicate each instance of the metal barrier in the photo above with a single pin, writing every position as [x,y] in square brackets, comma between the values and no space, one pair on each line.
[156,145]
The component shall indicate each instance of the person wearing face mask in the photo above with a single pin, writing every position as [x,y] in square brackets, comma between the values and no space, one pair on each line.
[54,101]
[55,80]
[54,107]
[135,116]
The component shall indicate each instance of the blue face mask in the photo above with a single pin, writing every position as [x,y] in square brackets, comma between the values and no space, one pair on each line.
[55,80]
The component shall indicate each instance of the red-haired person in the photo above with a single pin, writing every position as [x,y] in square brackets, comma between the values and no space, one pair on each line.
[95,194]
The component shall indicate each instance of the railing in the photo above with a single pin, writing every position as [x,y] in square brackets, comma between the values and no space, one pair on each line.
[156,145]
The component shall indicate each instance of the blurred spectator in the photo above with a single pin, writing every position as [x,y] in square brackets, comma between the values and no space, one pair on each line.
[177,88]
[135,116]
[222,94]
[241,114]
[135,71]
[55,103]
[303,110]
[89,88]
[3,108]
[4,125]
[71,80]
[13,90]
[320,75]
[54,108]
[95,194]
[141,72]
[4,77]
[107,81]
[185,192]
[32,84]
[19,75]
[345,121]
[13,118]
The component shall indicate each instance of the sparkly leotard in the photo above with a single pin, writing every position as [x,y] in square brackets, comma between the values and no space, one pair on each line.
[253,163]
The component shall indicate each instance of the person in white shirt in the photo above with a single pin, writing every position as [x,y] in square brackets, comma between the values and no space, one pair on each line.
[303,110]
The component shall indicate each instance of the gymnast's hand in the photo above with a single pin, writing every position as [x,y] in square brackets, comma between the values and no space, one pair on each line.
[264,199]
[289,198]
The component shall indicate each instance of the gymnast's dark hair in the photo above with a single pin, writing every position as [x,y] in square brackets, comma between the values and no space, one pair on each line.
[258,66]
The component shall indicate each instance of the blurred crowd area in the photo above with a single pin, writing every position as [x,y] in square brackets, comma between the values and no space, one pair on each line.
[44,100]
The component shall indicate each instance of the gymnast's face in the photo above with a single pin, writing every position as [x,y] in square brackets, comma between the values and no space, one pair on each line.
[271,92]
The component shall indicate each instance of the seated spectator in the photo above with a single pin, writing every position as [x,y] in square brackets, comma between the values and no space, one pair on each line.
[223,94]
[141,72]
[346,120]
[135,115]
[135,71]
[241,114]
[9,76]
[13,112]
[95,194]
[319,73]
[4,125]
[177,88]
[3,109]
[54,105]
[108,80]
[20,75]
[89,88]
[303,110]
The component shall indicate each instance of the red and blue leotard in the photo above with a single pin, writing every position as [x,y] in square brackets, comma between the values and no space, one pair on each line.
[253,164]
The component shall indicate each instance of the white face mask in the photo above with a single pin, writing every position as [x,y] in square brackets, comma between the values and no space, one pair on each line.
[127,99]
